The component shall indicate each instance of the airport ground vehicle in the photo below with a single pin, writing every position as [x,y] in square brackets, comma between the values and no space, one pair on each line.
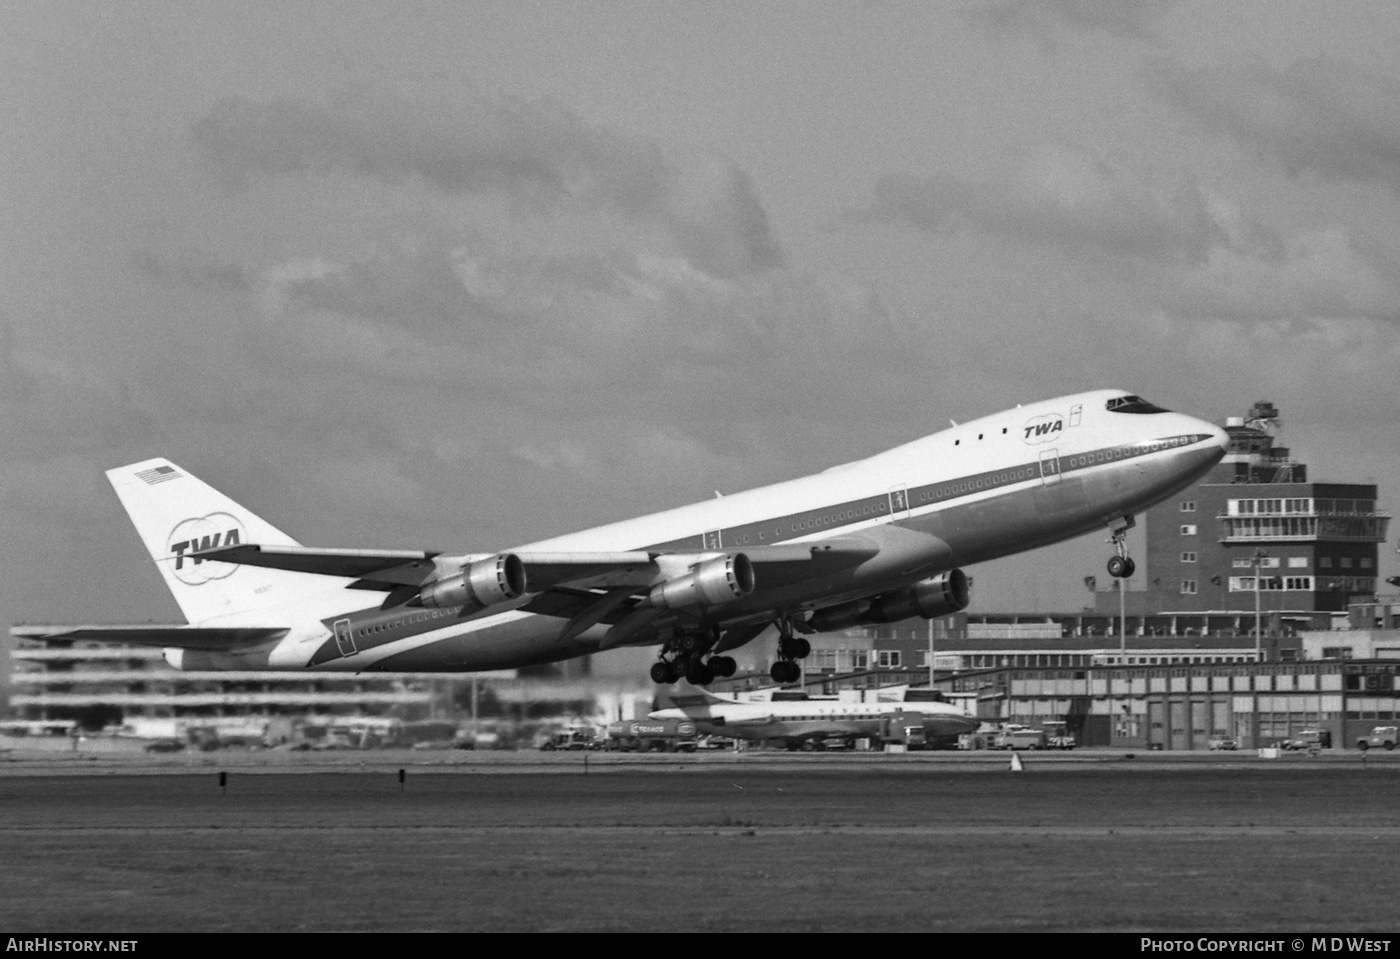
[1226,744]
[984,737]
[651,735]
[915,737]
[572,738]
[829,744]
[1058,736]
[1381,737]
[1308,739]
[1014,736]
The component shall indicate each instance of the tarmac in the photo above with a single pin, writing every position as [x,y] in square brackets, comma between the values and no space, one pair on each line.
[448,840]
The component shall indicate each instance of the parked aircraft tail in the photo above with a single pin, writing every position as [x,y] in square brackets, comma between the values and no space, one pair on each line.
[685,696]
[176,514]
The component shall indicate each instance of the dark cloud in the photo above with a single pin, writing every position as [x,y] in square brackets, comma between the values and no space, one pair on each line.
[1062,197]
[1113,17]
[550,329]
[1196,253]
[193,270]
[1324,273]
[533,151]
[1316,117]
[63,404]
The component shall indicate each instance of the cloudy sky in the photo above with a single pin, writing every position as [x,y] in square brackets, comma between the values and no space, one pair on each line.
[461,275]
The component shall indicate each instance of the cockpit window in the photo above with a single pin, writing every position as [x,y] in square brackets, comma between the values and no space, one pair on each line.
[1133,404]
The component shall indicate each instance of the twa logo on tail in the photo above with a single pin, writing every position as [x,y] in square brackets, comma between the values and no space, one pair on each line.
[205,532]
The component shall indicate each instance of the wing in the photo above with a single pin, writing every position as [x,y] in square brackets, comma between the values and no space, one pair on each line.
[584,588]
[215,639]
[387,570]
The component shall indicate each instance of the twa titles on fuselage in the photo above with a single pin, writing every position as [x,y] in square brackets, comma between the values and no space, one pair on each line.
[872,541]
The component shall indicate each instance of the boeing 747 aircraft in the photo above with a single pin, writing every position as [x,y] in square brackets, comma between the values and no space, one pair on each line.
[873,541]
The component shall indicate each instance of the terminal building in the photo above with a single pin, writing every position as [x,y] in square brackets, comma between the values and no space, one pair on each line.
[97,685]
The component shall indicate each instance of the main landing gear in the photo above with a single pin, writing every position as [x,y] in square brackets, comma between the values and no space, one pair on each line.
[790,649]
[683,657]
[1122,565]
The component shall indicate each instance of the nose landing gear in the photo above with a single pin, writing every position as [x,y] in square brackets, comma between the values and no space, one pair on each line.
[1122,565]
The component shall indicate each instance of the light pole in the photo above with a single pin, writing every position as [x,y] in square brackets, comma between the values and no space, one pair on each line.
[1259,555]
[1123,621]
[930,654]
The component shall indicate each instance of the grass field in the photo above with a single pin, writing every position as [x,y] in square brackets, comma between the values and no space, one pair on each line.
[850,847]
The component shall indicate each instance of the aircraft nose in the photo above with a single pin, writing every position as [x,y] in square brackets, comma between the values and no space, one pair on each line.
[1222,438]
[1208,431]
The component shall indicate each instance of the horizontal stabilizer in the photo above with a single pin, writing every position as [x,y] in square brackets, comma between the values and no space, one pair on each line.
[214,639]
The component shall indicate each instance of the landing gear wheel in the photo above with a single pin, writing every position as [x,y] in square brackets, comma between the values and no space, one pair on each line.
[699,673]
[785,671]
[789,648]
[662,673]
[723,666]
[1121,567]
[795,647]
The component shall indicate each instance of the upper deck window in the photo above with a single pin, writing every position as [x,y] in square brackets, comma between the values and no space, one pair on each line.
[1132,404]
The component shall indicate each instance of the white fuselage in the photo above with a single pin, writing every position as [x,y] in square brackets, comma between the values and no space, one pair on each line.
[1016,480]
[818,718]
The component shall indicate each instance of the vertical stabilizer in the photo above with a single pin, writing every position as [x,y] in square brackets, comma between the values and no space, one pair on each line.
[177,514]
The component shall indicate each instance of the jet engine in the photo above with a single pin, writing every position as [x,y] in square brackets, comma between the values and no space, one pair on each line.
[479,585]
[936,596]
[722,579]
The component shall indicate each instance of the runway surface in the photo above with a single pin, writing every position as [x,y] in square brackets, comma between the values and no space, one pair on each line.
[718,843]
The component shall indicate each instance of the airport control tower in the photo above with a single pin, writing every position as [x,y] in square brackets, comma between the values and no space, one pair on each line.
[1313,545]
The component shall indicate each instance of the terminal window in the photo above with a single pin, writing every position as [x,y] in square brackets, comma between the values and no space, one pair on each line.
[1188,530]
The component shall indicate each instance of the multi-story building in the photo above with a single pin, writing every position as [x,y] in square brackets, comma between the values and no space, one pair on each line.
[1257,522]
[98,685]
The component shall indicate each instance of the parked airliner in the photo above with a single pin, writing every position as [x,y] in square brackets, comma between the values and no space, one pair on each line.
[872,541]
[801,719]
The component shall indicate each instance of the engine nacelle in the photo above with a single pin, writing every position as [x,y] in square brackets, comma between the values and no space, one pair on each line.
[936,596]
[710,583]
[479,585]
